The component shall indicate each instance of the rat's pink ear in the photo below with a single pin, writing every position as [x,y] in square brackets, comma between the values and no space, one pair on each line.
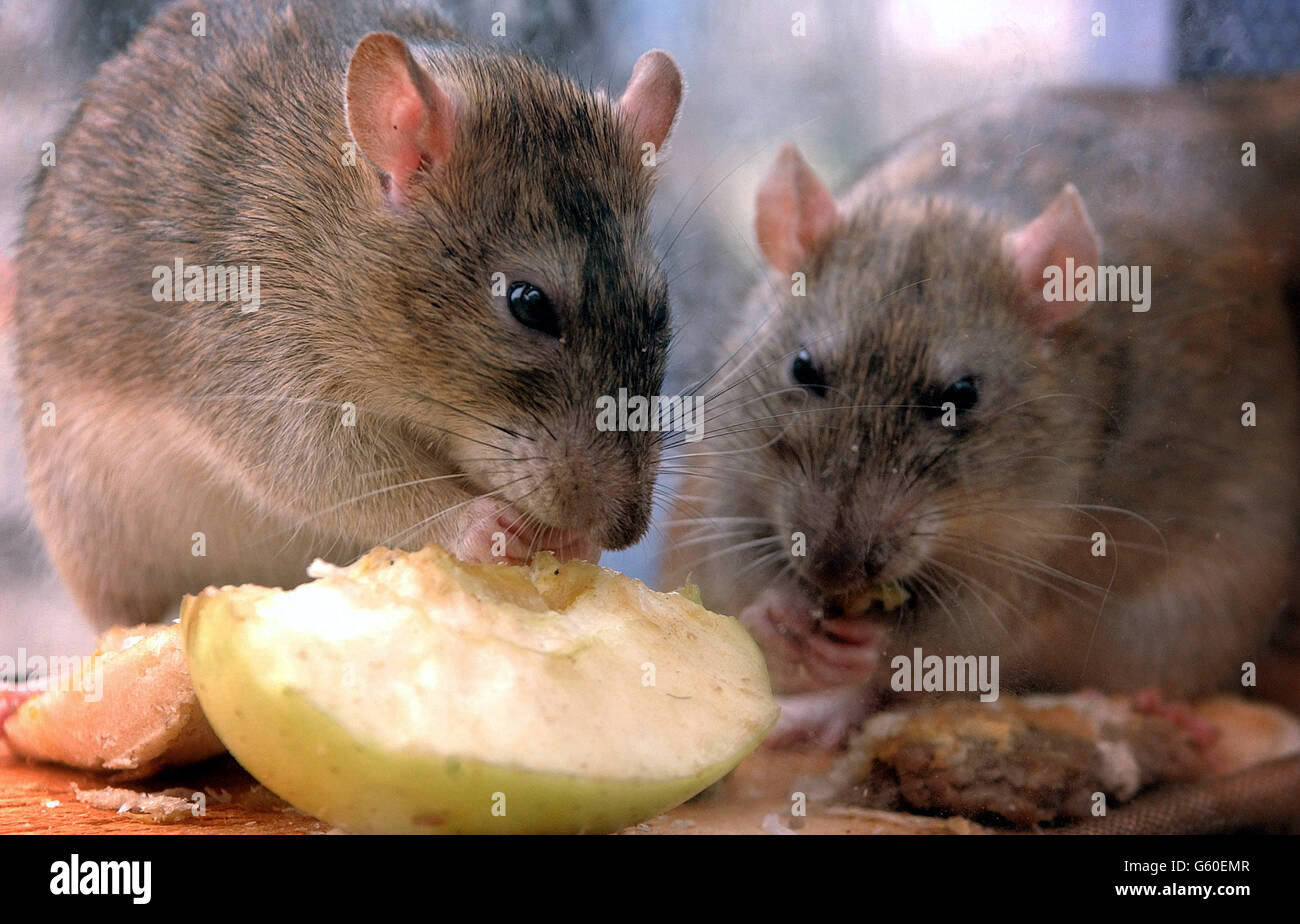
[652,97]
[398,115]
[1062,231]
[795,213]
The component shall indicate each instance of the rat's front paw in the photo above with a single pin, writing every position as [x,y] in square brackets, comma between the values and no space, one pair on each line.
[819,720]
[495,532]
[807,653]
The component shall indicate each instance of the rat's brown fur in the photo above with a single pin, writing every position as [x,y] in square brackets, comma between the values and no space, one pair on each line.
[176,418]
[1123,423]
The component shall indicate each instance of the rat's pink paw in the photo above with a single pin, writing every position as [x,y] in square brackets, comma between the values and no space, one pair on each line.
[819,720]
[805,653]
[497,533]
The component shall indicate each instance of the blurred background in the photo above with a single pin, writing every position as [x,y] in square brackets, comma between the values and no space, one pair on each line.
[841,77]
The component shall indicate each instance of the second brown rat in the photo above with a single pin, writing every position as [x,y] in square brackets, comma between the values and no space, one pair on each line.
[453,262]
[1098,496]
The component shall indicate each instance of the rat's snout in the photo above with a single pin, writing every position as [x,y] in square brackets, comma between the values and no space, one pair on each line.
[849,550]
[838,563]
[626,528]
[601,485]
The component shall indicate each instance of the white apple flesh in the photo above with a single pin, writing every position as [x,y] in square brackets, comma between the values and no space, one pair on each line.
[411,692]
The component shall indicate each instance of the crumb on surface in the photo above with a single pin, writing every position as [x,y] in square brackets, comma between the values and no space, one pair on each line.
[164,808]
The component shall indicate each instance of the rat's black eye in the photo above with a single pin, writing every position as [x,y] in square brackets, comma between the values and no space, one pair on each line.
[806,373]
[963,393]
[532,308]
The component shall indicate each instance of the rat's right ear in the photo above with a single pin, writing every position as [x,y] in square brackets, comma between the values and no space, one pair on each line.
[398,115]
[1062,230]
[795,213]
[652,97]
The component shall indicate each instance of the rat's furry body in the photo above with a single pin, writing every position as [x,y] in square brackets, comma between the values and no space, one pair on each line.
[176,418]
[1121,423]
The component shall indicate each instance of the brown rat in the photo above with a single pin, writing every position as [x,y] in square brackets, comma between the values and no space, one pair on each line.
[453,262]
[926,415]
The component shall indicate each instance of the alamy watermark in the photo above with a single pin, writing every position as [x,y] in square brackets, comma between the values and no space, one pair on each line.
[199,283]
[82,674]
[952,674]
[1098,284]
[75,876]
[656,413]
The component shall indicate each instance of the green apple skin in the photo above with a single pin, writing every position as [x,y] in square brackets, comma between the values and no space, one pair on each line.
[312,762]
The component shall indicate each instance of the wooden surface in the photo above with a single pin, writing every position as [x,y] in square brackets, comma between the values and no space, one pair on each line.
[755,799]
[41,799]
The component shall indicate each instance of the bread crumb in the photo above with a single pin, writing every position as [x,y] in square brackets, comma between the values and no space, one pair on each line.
[153,808]
[772,824]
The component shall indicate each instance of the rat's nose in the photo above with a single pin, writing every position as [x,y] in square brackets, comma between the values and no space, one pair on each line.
[876,557]
[838,564]
[627,526]
[832,565]
[603,490]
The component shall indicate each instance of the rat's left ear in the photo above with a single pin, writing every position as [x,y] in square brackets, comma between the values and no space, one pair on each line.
[398,115]
[1062,230]
[795,213]
[652,97]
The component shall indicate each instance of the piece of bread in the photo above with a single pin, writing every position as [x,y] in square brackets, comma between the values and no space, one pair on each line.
[1250,732]
[1049,759]
[131,712]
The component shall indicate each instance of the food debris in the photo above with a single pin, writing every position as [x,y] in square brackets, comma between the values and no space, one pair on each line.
[875,821]
[772,824]
[163,808]
[260,799]
[1027,760]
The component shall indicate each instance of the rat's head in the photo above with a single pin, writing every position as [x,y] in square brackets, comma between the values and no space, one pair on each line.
[512,206]
[913,415]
